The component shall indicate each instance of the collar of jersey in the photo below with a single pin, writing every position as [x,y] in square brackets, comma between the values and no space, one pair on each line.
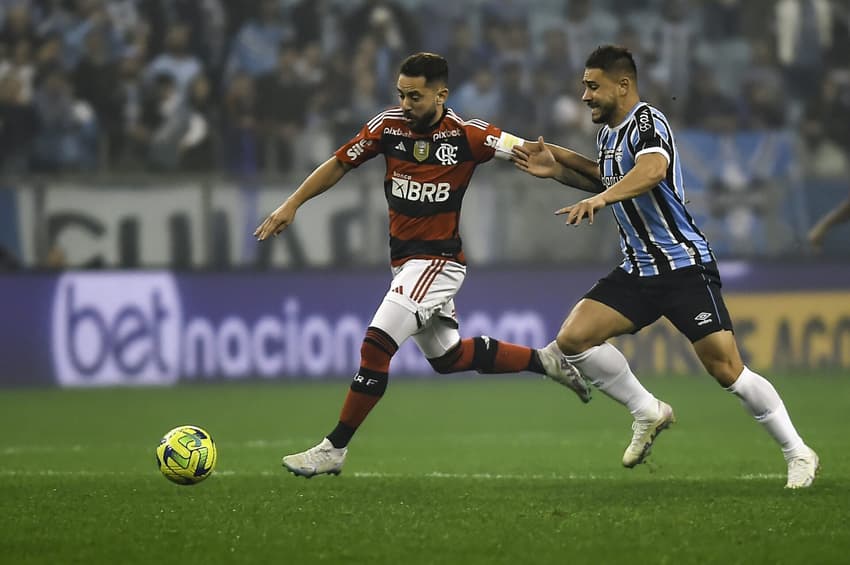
[628,116]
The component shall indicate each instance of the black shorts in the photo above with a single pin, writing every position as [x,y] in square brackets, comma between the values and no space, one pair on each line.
[690,298]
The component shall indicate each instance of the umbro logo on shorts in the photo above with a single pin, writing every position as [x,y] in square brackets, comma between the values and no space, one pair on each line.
[703,318]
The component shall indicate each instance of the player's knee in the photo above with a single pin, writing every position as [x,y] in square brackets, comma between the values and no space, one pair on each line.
[441,366]
[477,353]
[725,370]
[377,349]
[725,373]
[720,357]
[573,342]
[449,362]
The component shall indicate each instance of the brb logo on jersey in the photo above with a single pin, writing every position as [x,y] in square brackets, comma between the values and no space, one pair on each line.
[407,189]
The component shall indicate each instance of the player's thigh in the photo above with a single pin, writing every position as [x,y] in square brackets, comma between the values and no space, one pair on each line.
[617,304]
[694,303]
[590,323]
[394,318]
[438,337]
[426,289]
[719,354]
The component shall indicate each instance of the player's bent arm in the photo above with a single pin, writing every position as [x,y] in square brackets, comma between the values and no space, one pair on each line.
[576,161]
[649,170]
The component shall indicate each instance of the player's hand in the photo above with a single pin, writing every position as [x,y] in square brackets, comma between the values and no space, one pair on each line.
[277,221]
[535,158]
[580,210]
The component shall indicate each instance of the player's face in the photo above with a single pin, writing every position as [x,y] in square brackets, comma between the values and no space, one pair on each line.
[422,103]
[600,94]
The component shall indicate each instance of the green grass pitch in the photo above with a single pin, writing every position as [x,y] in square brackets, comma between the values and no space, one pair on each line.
[481,470]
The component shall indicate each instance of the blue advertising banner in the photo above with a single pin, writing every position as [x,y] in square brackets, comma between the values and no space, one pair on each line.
[25,311]
[108,328]
[157,328]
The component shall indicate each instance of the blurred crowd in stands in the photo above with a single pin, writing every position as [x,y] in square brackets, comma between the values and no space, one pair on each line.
[269,86]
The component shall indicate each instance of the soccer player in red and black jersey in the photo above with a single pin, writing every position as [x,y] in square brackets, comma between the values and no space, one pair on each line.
[430,154]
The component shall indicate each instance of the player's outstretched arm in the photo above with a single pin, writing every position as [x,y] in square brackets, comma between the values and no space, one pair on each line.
[321,179]
[538,158]
[575,161]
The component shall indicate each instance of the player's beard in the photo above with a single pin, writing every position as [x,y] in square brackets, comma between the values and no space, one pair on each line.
[423,124]
[604,114]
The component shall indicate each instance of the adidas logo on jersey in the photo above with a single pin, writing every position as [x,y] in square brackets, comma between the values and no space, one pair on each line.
[400,146]
[398,290]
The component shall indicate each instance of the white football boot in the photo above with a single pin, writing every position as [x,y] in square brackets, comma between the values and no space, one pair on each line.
[563,372]
[645,432]
[321,459]
[802,470]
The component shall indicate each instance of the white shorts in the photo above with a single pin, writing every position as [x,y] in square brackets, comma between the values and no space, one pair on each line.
[420,304]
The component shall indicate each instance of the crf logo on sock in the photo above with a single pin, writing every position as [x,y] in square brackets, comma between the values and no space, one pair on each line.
[365,381]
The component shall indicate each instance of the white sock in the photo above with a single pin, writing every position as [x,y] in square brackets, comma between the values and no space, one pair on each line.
[762,401]
[609,371]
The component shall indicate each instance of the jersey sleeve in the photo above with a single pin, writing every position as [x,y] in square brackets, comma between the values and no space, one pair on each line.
[651,134]
[363,146]
[483,139]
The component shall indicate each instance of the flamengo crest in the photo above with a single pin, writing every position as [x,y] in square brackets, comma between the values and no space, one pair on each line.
[447,154]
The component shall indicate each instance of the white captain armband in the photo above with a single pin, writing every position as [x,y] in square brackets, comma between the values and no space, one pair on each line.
[505,143]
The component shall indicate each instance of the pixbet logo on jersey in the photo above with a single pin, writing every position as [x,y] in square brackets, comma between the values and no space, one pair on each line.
[420,191]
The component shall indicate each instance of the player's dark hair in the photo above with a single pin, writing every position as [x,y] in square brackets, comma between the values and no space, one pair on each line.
[612,59]
[429,65]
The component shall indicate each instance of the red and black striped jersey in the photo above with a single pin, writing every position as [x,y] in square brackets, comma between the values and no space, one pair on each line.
[426,179]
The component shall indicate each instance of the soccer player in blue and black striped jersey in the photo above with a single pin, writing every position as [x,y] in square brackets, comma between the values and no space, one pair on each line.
[668,267]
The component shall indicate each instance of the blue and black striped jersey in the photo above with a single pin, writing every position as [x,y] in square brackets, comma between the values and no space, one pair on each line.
[657,234]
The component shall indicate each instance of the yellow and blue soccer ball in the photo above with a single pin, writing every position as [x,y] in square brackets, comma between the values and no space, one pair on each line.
[186,455]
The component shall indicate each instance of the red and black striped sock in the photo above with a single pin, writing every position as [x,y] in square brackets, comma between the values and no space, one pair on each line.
[368,385]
